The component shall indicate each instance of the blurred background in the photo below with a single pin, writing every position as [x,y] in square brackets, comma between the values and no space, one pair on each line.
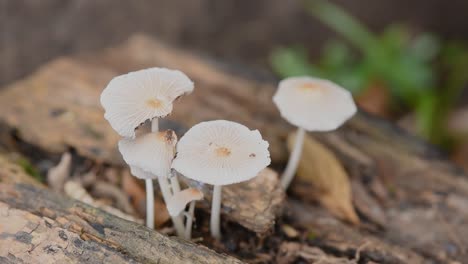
[406,61]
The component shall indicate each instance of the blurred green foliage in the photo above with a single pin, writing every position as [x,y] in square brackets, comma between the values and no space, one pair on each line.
[420,72]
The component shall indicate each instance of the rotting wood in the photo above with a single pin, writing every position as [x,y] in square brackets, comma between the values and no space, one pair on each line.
[46,226]
[420,193]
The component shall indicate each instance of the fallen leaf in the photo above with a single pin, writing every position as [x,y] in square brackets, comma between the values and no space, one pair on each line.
[321,177]
[375,99]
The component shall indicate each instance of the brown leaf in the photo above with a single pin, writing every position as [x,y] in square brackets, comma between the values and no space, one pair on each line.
[375,99]
[321,177]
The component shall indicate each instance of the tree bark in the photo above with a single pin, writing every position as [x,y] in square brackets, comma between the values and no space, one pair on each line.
[40,226]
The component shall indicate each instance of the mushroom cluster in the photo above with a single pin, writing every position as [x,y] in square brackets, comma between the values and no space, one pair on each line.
[216,152]
[129,101]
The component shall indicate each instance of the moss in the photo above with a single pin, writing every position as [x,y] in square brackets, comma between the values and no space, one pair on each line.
[30,169]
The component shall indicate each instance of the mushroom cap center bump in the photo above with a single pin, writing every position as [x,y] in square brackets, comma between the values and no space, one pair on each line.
[154,103]
[223,152]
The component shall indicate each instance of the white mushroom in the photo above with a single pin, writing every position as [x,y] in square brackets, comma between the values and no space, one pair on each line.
[141,174]
[221,153]
[178,203]
[131,99]
[152,152]
[311,104]
[179,200]
[149,157]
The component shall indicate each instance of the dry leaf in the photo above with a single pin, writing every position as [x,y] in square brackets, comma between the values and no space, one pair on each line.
[375,99]
[320,176]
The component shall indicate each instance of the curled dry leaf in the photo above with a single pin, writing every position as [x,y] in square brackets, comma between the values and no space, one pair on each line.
[323,178]
[57,175]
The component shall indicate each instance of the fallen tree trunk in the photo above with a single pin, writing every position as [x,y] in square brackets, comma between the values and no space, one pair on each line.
[411,201]
[40,226]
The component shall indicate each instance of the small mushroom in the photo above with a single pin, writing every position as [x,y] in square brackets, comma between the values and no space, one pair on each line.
[178,203]
[179,200]
[311,104]
[220,153]
[131,99]
[149,157]
[152,152]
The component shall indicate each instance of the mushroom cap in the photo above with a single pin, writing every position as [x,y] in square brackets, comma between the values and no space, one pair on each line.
[179,201]
[152,153]
[141,174]
[131,99]
[314,104]
[221,152]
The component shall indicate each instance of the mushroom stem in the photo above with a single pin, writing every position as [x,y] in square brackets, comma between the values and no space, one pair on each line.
[294,159]
[155,125]
[166,189]
[166,193]
[150,190]
[174,183]
[188,223]
[215,212]
[149,203]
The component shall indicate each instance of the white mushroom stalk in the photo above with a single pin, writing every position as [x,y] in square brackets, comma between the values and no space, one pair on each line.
[220,153]
[311,104]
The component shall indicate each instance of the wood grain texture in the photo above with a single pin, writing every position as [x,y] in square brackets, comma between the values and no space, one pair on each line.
[37,220]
